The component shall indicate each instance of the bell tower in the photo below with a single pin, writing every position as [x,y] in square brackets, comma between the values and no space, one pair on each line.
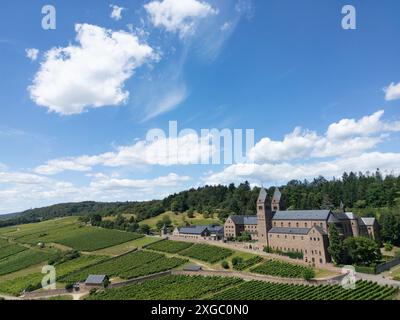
[264,216]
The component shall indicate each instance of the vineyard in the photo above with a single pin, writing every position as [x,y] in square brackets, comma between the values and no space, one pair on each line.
[131,265]
[92,239]
[257,290]
[169,246]
[71,234]
[10,249]
[282,269]
[33,281]
[207,253]
[168,288]
[23,260]
[244,264]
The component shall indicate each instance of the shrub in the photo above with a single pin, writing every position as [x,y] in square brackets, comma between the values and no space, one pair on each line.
[236,261]
[225,264]
[388,246]
[308,274]
[69,287]
[366,269]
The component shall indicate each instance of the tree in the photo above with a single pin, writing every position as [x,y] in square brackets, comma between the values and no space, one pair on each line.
[190,213]
[164,221]
[336,249]
[95,220]
[225,264]
[362,251]
[145,229]
[390,227]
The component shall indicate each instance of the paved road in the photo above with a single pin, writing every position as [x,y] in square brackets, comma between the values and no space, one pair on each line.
[377,278]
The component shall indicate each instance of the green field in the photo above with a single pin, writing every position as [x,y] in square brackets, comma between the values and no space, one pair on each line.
[131,265]
[17,285]
[281,269]
[207,253]
[10,250]
[92,239]
[168,288]
[24,260]
[68,232]
[257,290]
[169,246]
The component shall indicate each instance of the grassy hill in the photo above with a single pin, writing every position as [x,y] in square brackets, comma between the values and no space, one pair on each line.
[181,219]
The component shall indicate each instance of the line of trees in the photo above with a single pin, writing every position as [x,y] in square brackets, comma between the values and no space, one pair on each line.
[361,191]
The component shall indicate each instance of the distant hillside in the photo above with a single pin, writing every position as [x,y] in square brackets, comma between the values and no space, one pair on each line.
[359,191]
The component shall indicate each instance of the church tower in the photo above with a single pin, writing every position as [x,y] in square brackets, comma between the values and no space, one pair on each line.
[277,203]
[264,216]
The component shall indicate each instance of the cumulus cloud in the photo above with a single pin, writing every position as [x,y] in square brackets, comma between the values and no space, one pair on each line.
[347,145]
[182,150]
[285,171]
[343,138]
[21,191]
[90,74]
[392,92]
[178,16]
[32,54]
[116,12]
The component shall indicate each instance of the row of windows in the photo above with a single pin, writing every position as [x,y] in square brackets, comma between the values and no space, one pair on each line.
[286,236]
[298,224]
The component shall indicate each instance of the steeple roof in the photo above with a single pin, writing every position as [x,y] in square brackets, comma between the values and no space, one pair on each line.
[277,195]
[263,195]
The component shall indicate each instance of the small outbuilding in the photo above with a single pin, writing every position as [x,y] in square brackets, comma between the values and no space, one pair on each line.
[97,281]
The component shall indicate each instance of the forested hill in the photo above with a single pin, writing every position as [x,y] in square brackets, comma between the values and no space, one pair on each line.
[355,190]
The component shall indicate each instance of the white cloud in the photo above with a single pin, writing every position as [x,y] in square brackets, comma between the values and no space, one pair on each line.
[171,99]
[32,54]
[183,150]
[226,26]
[20,191]
[90,74]
[116,12]
[346,146]
[392,92]
[347,137]
[283,172]
[178,16]
[111,183]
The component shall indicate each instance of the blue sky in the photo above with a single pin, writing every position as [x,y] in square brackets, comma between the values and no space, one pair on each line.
[75,111]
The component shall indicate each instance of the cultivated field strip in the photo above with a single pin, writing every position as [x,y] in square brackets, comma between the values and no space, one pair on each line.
[128,266]
[206,253]
[281,269]
[33,281]
[257,290]
[168,288]
[169,246]
[24,260]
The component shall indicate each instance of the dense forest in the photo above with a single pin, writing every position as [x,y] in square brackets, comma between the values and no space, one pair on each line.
[365,192]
